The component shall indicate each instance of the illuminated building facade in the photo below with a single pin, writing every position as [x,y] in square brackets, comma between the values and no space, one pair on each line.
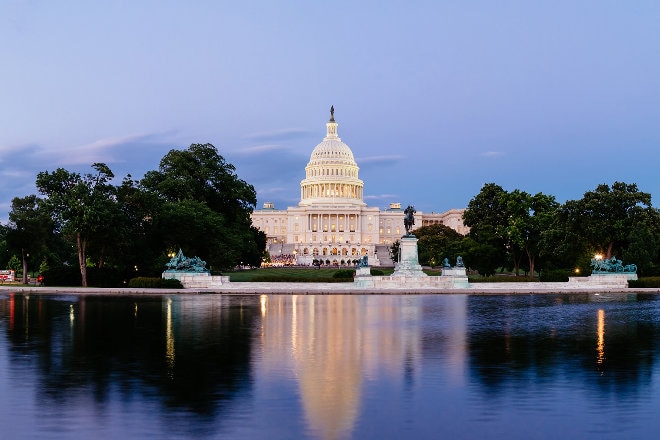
[332,222]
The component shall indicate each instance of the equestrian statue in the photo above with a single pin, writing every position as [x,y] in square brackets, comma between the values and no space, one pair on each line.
[409,219]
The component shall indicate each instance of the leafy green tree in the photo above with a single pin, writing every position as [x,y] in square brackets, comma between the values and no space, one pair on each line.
[485,255]
[4,248]
[394,251]
[528,217]
[508,226]
[29,226]
[437,242]
[200,173]
[643,241]
[84,206]
[486,216]
[14,263]
[135,243]
[200,193]
[604,218]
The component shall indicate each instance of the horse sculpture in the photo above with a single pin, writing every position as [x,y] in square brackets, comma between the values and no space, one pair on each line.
[181,263]
[611,265]
[409,219]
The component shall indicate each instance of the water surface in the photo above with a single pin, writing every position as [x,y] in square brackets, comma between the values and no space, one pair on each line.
[328,367]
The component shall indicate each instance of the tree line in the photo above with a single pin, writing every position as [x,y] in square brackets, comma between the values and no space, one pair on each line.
[194,201]
[521,232]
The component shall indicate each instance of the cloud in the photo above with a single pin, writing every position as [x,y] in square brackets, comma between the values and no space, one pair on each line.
[134,154]
[19,152]
[380,196]
[270,190]
[258,149]
[278,135]
[492,154]
[370,160]
[107,150]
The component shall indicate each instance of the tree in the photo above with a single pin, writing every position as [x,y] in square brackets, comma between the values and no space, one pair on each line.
[527,220]
[512,224]
[29,226]
[199,192]
[4,248]
[604,218]
[484,255]
[486,216]
[437,242]
[394,251]
[83,206]
[643,242]
[200,173]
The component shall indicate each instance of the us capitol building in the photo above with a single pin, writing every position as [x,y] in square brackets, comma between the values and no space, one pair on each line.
[332,221]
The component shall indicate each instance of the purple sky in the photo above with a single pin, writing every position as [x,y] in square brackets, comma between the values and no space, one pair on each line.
[435,98]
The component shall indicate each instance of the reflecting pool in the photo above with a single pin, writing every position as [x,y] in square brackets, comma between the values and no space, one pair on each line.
[568,366]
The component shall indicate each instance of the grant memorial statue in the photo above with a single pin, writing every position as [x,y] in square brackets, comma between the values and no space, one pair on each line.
[408,264]
[409,219]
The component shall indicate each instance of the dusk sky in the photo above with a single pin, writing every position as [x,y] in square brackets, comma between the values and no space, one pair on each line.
[435,98]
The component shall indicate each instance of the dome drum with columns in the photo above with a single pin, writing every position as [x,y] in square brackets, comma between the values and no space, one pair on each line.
[332,222]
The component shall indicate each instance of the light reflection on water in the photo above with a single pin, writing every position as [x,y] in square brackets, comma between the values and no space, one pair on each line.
[277,366]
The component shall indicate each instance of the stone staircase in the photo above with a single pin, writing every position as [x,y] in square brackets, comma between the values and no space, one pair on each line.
[384,257]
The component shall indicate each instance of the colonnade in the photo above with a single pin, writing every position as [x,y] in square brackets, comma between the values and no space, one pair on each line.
[330,222]
[330,190]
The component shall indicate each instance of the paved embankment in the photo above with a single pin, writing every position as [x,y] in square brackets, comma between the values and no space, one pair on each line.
[334,289]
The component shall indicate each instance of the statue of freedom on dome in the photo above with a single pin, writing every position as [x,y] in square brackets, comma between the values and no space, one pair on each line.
[332,112]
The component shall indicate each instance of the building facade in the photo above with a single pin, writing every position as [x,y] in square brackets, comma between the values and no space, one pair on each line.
[332,222]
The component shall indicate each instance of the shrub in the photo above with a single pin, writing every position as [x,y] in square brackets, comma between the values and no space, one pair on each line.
[154,283]
[70,276]
[377,272]
[653,282]
[557,275]
[62,276]
[503,279]
[103,277]
[344,273]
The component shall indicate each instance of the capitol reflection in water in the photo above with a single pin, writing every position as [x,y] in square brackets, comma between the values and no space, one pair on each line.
[336,343]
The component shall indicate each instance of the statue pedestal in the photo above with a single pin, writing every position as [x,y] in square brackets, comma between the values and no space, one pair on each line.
[408,265]
[196,280]
[458,276]
[363,277]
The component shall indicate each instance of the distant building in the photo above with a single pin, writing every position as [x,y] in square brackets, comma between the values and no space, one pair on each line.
[332,221]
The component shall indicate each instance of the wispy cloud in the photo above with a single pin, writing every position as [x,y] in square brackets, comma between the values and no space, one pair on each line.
[257,149]
[20,151]
[381,197]
[108,149]
[278,135]
[369,160]
[492,153]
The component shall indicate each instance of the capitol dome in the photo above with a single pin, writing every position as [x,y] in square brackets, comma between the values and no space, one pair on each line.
[331,176]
